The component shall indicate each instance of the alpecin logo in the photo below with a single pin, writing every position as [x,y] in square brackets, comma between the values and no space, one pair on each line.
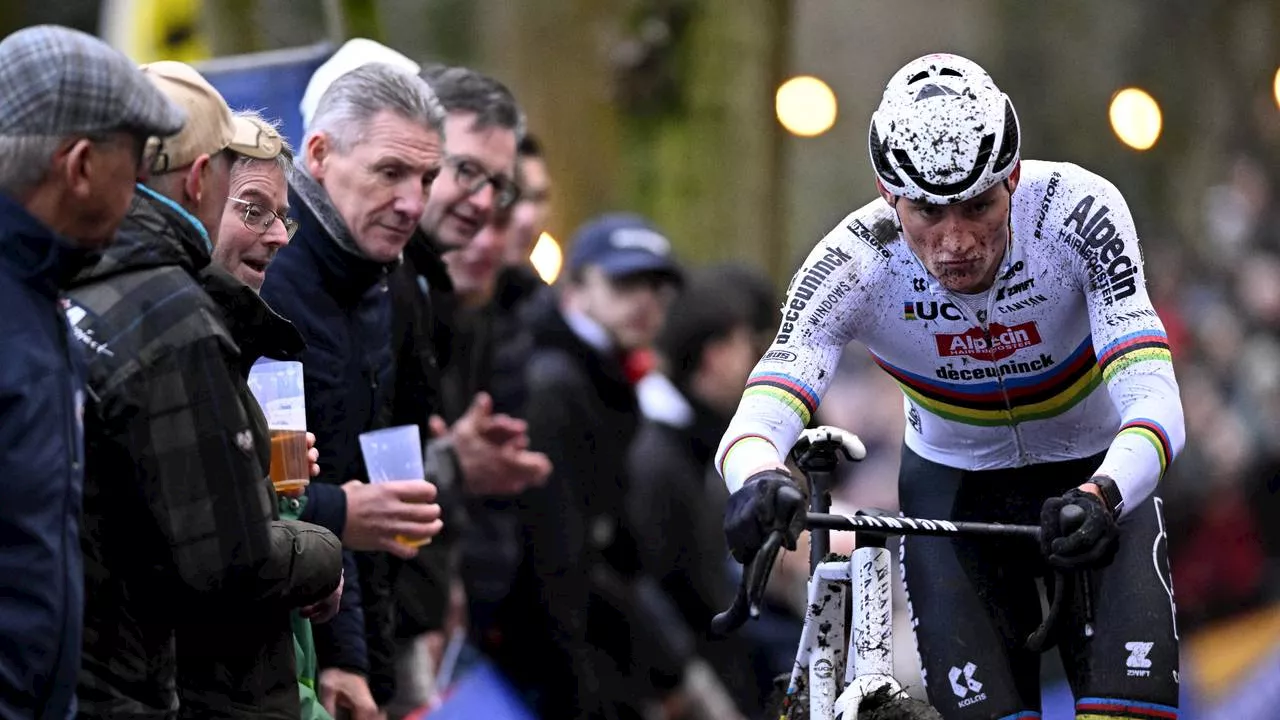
[997,343]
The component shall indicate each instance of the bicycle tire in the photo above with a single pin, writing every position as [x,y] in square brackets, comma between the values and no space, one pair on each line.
[883,704]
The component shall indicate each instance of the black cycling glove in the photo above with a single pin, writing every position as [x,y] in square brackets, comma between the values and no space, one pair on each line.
[1092,544]
[770,500]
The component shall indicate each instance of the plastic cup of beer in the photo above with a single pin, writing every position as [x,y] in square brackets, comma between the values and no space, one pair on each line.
[394,453]
[278,387]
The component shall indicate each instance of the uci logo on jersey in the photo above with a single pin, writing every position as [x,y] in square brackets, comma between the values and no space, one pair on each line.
[921,310]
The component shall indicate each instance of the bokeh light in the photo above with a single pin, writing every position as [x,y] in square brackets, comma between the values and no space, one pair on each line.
[547,258]
[806,106]
[1275,87]
[1135,118]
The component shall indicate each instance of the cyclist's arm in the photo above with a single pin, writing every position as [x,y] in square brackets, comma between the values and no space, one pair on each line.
[1132,349]
[819,317]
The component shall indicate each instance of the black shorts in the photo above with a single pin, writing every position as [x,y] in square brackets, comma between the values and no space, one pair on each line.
[974,602]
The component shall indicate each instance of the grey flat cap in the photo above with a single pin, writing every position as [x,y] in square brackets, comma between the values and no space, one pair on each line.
[59,81]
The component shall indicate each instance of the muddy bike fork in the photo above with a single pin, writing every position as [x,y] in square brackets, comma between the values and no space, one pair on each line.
[849,615]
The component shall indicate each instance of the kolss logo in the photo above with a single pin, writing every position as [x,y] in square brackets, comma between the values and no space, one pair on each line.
[969,685]
[1003,341]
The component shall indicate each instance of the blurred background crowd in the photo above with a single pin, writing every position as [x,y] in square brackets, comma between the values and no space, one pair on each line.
[737,127]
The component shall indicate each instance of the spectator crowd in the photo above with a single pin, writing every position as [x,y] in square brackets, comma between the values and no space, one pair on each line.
[160,252]
[157,245]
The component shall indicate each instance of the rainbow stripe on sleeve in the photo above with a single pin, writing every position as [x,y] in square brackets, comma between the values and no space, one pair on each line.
[1154,433]
[1131,349]
[741,441]
[791,391]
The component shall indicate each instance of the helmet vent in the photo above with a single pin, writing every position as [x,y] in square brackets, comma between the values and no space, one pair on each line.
[932,90]
[1008,141]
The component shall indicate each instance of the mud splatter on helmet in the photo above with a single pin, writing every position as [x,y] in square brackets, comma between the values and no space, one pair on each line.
[944,133]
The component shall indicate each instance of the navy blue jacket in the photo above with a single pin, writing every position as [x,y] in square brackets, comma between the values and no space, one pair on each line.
[41,473]
[341,305]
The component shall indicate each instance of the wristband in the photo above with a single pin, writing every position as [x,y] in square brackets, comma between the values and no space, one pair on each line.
[1110,494]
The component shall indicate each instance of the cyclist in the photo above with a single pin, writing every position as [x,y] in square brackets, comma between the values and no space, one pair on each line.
[1008,300]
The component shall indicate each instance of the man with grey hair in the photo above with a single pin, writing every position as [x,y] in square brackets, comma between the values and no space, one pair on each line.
[358,192]
[74,118]
[183,553]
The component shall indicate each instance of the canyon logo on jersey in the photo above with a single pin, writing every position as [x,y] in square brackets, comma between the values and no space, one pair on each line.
[997,343]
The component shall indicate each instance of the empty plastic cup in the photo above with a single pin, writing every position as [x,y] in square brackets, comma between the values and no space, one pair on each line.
[394,453]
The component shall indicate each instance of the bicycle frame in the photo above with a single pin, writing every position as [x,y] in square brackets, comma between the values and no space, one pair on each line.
[826,645]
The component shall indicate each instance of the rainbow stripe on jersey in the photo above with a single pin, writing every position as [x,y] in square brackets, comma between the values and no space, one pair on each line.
[1034,397]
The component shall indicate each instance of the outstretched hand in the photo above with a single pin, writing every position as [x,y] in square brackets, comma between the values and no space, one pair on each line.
[493,450]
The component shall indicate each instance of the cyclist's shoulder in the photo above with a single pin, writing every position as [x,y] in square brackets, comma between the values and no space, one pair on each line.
[866,235]
[1057,199]
[1059,183]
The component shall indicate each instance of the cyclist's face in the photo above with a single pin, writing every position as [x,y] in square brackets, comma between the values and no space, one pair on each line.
[962,244]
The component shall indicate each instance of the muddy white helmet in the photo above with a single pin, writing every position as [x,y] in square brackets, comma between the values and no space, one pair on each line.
[944,132]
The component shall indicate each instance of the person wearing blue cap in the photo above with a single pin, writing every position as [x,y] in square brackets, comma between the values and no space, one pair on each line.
[591,345]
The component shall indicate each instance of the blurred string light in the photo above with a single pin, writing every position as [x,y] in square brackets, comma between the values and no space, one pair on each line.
[547,258]
[1275,87]
[806,106]
[1135,118]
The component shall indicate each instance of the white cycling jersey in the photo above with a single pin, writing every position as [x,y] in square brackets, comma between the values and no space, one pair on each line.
[1067,360]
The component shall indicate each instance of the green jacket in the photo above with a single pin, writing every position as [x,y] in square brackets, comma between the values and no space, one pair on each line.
[304,646]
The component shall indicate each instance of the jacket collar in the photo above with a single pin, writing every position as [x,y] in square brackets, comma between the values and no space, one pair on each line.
[35,253]
[156,232]
[257,329]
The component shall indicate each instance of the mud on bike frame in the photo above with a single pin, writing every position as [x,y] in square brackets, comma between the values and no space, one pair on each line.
[869,658]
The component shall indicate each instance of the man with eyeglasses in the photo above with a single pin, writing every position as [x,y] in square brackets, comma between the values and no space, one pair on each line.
[189,577]
[447,350]
[74,116]
[255,222]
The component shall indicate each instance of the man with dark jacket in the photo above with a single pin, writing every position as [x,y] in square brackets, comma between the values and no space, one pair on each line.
[357,193]
[449,341]
[179,525]
[67,165]
[573,603]
[676,501]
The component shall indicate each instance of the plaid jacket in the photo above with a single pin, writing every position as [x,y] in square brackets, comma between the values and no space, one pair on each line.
[178,511]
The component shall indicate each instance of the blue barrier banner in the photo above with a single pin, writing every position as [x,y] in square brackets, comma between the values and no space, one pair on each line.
[482,693]
[270,82]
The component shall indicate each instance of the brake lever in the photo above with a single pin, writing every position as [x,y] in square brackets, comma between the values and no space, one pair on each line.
[750,596]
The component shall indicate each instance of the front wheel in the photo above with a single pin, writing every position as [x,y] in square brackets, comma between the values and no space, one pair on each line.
[883,704]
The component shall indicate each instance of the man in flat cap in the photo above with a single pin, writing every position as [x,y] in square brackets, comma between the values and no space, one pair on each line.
[74,119]
[181,543]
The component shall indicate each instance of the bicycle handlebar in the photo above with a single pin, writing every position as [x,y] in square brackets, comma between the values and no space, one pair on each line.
[755,576]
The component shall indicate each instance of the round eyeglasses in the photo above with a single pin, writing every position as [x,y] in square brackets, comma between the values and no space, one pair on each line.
[259,219]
